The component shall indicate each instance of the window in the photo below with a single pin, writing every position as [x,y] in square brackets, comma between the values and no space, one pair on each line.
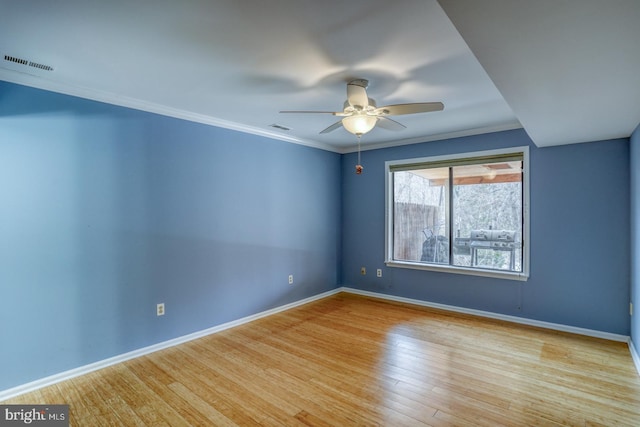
[462,214]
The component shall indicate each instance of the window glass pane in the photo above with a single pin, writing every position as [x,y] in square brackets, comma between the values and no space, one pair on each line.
[420,217]
[462,213]
[487,215]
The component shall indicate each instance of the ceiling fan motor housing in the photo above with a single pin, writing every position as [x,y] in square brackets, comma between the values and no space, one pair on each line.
[360,82]
[360,113]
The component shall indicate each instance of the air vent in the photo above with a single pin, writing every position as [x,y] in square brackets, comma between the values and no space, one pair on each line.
[40,66]
[16,60]
[27,63]
[279,127]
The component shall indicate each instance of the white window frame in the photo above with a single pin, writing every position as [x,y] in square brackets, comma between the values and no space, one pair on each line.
[389,220]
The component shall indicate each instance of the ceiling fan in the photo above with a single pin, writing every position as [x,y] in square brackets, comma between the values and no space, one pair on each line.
[360,113]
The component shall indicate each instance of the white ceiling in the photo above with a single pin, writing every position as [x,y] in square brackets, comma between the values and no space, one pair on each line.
[569,69]
[566,69]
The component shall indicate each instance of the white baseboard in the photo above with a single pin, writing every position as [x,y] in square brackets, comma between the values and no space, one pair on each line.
[634,355]
[488,314]
[62,376]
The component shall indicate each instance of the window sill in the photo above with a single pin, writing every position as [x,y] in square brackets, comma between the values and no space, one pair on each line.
[520,276]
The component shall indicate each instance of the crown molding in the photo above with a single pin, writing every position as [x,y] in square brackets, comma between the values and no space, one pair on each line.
[437,137]
[43,83]
[40,82]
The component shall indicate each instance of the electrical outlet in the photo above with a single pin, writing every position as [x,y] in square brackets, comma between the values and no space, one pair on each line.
[379,272]
[160,309]
[363,271]
[291,279]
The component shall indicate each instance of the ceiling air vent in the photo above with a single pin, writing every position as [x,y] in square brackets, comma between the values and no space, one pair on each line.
[41,66]
[16,60]
[279,127]
[22,61]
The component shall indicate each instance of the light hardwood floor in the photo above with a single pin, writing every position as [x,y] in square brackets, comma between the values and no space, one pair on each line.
[349,360]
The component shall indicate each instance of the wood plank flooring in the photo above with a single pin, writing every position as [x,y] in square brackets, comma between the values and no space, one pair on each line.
[349,360]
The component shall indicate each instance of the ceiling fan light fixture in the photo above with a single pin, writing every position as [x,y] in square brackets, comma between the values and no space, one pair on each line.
[359,124]
[360,113]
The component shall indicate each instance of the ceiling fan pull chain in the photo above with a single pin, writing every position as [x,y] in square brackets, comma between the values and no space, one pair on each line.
[359,166]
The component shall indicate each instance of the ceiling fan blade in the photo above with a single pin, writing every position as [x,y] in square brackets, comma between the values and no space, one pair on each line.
[357,95]
[333,127]
[389,124]
[418,107]
[310,112]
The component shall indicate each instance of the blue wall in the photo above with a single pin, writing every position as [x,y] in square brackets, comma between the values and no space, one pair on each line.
[106,211]
[580,243]
[635,237]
